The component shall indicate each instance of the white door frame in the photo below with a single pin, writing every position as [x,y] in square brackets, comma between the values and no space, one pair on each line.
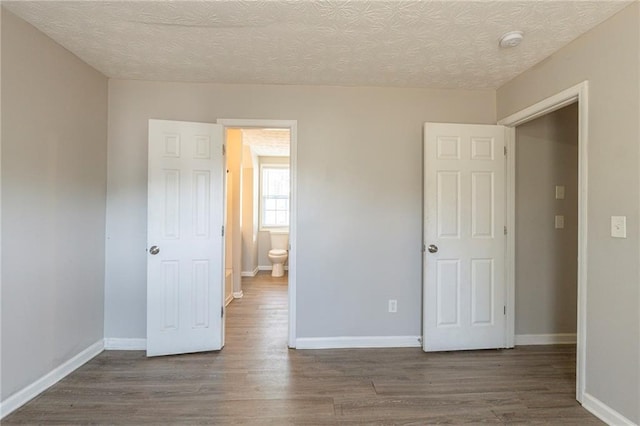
[292,125]
[577,93]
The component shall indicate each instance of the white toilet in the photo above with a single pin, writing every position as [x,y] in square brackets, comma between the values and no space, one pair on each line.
[279,251]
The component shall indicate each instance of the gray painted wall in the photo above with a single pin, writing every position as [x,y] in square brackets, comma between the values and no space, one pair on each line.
[359,194]
[54,140]
[609,58]
[264,245]
[547,258]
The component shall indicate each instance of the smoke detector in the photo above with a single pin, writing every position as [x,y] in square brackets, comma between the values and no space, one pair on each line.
[511,39]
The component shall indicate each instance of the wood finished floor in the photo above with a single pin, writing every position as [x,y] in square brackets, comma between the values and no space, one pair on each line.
[257,380]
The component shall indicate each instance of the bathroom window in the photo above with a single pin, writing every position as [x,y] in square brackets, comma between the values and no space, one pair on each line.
[274,209]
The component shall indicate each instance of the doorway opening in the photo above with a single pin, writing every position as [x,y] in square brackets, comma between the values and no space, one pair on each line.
[546,209]
[546,229]
[260,211]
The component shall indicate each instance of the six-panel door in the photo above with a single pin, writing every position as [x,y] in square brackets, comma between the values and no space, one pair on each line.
[185,217]
[464,217]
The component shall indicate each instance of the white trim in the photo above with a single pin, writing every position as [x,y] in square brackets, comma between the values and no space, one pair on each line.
[270,268]
[545,339]
[510,254]
[228,299]
[249,273]
[292,125]
[604,412]
[545,106]
[1,407]
[358,342]
[238,294]
[29,392]
[579,93]
[124,344]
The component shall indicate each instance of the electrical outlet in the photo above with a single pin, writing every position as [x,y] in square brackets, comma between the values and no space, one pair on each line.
[559,192]
[559,222]
[393,305]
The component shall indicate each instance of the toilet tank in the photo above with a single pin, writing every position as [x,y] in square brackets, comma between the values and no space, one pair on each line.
[279,240]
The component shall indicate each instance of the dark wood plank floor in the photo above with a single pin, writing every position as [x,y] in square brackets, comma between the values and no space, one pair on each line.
[257,380]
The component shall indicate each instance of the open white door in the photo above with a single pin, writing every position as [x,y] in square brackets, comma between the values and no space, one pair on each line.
[184,235]
[464,223]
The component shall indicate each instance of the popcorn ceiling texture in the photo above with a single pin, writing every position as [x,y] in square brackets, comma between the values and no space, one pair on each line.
[437,44]
[267,142]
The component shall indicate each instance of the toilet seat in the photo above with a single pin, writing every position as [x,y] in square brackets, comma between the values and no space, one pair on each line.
[277,252]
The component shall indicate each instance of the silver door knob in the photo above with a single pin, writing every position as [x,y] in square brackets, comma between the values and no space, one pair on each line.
[432,248]
[154,250]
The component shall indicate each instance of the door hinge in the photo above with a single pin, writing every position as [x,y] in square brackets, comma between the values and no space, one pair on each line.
[224,149]
[223,230]
[221,311]
[505,151]
[505,230]
[424,247]
[505,310]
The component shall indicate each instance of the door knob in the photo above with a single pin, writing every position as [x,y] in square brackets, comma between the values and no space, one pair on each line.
[432,248]
[154,250]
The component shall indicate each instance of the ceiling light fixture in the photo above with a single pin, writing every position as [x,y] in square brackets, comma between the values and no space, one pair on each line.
[511,39]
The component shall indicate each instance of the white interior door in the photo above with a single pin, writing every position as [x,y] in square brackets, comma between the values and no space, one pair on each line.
[184,235]
[464,219]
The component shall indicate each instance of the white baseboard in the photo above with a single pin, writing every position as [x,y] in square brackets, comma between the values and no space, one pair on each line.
[238,294]
[228,299]
[25,395]
[358,342]
[249,273]
[126,344]
[604,412]
[270,268]
[545,339]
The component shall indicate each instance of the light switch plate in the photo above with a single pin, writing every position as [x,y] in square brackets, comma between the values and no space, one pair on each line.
[619,226]
[559,222]
[559,192]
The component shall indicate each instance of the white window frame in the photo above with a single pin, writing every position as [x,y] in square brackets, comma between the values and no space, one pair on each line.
[268,165]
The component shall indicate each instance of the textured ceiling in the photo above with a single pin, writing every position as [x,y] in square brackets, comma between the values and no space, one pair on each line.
[267,142]
[439,44]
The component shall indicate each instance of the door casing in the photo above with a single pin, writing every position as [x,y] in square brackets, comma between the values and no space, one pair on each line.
[566,97]
[292,125]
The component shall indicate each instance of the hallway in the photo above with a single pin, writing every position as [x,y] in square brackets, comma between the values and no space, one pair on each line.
[259,318]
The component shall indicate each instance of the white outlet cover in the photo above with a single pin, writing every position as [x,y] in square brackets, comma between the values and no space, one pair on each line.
[559,222]
[619,226]
[559,192]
